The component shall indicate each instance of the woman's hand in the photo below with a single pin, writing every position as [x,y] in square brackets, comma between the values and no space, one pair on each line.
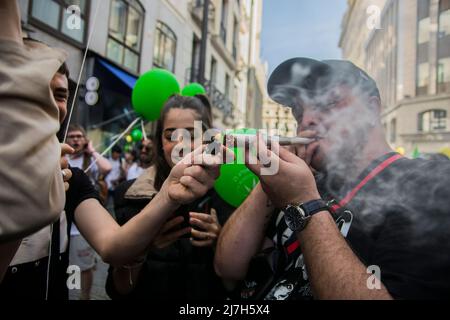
[193,176]
[167,235]
[205,229]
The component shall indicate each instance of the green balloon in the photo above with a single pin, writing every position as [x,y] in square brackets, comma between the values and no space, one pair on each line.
[236,181]
[151,92]
[136,134]
[128,148]
[193,89]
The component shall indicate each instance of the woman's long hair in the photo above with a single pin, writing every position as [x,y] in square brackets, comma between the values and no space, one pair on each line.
[202,107]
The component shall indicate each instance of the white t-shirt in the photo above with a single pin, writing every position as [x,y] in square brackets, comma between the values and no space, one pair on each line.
[114,174]
[78,163]
[36,246]
[134,171]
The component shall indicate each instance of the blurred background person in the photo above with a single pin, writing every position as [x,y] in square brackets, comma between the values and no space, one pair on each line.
[129,159]
[115,176]
[143,162]
[85,156]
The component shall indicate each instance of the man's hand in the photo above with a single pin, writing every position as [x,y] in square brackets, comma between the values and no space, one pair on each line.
[193,176]
[66,172]
[305,152]
[293,183]
[90,150]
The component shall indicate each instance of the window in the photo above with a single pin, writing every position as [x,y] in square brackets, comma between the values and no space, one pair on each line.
[423,40]
[213,71]
[424,31]
[227,86]
[443,72]
[195,63]
[235,38]
[423,9]
[433,120]
[393,131]
[423,78]
[125,33]
[53,15]
[444,23]
[444,75]
[165,47]
[223,21]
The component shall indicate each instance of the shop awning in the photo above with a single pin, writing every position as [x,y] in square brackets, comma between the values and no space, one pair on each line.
[123,76]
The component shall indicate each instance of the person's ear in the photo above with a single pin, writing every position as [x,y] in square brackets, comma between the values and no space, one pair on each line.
[375,104]
[375,108]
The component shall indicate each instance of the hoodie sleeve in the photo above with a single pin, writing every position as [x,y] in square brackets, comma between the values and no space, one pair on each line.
[32,190]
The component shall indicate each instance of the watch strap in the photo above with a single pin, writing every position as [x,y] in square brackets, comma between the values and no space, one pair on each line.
[314,206]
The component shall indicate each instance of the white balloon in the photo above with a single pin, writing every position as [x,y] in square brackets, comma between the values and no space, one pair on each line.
[92,84]
[91,98]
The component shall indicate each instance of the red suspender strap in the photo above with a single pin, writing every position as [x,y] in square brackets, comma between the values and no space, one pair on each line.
[369,177]
[294,246]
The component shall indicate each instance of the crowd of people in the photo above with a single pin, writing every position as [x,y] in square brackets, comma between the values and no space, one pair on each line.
[334,210]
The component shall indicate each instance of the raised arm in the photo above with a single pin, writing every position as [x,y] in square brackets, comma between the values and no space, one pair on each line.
[10,28]
[243,236]
[28,118]
[119,245]
[335,272]
[103,164]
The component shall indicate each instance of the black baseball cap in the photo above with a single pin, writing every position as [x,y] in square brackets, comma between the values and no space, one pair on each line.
[300,77]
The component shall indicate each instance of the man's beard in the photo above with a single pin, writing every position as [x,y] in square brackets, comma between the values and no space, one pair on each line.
[343,158]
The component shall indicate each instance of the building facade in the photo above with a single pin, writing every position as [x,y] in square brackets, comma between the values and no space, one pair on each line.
[355,28]
[130,37]
[409,57]
[278,120]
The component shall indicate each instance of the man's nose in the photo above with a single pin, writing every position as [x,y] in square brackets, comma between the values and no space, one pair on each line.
[310,119]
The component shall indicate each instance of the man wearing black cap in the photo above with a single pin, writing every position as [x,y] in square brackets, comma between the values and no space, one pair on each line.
[344,217]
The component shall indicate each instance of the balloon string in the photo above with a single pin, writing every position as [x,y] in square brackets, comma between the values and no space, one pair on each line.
[113,143]
[81,71]
[119,117]
[143,129]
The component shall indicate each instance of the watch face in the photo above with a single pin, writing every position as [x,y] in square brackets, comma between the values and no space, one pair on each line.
[295,218]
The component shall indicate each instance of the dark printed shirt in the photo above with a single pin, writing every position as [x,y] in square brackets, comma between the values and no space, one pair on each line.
[398,223]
